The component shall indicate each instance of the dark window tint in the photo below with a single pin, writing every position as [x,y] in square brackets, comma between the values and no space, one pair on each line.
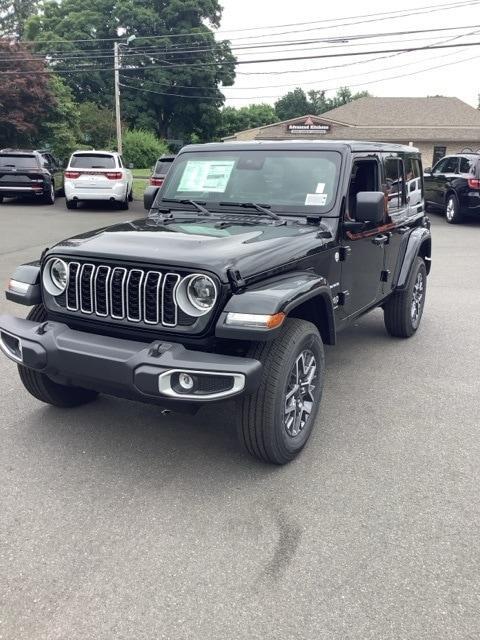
[447,165]
[394,186]
[93,161]
[162,167]
[465,165]
[364,178]
[18,161]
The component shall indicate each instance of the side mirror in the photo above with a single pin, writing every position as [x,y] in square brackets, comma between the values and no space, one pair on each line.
[370,207]
[428,170]
[149,197]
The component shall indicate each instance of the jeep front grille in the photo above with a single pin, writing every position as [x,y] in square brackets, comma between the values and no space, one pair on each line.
[132,294]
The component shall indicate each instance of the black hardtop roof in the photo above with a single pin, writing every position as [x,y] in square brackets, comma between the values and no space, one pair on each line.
[300,145]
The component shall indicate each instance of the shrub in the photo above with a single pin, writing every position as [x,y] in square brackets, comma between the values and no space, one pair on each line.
[142,148]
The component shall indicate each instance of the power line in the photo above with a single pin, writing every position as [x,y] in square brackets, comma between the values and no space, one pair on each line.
[153,50]
[360,84]
[84,68]
[197,31]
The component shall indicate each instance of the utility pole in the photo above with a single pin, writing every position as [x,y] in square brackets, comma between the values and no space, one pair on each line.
[116,57]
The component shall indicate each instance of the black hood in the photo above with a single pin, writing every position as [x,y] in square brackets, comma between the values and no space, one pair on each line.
[199,244]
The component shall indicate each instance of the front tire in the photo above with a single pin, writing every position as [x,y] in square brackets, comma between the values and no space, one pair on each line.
[46,390]
[404,309]
[452,210]
[275,422]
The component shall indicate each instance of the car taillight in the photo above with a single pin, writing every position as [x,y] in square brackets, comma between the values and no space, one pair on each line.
[156,182]
[114,175]
[72,175]
[474,183]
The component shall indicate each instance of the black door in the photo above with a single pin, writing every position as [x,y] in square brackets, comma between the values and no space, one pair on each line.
[402,181]
[363,254]
[437,184]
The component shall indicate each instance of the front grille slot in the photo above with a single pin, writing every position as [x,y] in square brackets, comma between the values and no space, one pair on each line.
[133,294]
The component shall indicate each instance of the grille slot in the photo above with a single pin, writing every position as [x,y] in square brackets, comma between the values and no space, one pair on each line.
[134,294]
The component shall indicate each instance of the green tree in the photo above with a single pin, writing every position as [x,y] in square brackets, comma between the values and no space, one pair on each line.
[142,148]
[59,130]
[254,115]
[157,72]
[292,105]
[345,95]
[14,14]
[96,125]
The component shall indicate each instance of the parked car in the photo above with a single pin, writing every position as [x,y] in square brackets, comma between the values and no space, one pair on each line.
[160,170]
[453,186]
[253,256]
[25,172]
[98,175]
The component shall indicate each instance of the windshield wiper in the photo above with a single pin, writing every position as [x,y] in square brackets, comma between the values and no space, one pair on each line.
[253,205]
[198,205]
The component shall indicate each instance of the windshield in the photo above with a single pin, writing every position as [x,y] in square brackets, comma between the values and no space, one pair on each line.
[19,162]
[93,161]
[289,181]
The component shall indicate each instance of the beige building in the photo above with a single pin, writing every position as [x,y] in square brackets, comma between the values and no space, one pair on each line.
[436,125]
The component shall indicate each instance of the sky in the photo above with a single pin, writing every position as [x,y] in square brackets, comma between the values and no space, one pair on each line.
[450,72]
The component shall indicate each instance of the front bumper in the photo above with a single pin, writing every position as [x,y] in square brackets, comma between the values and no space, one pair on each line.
[125,368]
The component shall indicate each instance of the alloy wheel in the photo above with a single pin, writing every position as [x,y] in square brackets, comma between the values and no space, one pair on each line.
[450,212]
[418,299]
[299,397]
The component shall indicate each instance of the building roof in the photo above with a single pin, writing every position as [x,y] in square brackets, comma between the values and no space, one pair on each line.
[440,111]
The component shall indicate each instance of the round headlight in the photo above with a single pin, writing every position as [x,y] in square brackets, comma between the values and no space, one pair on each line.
[201,292]
[196,295]
[55,277]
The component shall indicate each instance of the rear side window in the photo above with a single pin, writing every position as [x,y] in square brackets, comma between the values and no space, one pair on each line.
[18,161]
[466,165]
[93,161]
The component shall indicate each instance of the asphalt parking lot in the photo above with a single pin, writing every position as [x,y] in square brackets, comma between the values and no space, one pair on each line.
[118,523]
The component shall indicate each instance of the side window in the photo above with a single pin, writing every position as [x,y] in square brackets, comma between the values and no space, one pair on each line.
[465,165]
[364,178]
[450,165]
[440,167]
[394,187]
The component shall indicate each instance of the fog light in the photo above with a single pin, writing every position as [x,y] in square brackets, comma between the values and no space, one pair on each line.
[185,381]
[11,346]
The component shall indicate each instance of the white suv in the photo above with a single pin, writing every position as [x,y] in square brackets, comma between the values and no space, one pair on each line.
[97,175]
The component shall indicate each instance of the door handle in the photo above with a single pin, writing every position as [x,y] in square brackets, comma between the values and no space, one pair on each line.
[379,240]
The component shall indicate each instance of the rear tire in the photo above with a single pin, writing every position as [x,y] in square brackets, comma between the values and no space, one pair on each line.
[1,199]
[404,309]
[124,204]
[46,390]
[49,198]
[71,204]
[453,214]
[276,420]
[130,196]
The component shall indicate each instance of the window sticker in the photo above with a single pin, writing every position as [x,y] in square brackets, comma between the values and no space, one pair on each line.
[316,199]
[206,175]
[320,187]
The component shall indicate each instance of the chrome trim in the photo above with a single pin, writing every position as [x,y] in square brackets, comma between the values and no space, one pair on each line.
[127,295]
[165,388]
[174,298]
[159,282]
[6,350]
[107,298]
[87,264]
[70,308]
[122,295]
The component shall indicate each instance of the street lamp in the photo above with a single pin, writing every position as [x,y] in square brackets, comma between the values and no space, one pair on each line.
[116,57]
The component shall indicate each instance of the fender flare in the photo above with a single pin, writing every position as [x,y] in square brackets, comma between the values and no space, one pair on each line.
[419,243]
[280,294]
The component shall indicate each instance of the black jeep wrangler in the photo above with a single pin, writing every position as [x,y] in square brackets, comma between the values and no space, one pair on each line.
[252,257]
